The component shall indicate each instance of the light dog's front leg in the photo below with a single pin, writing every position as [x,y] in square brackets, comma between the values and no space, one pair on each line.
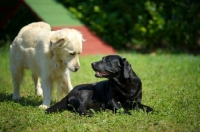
[69,84]
[46,86]
[38,89]
[16,94]
[64,86]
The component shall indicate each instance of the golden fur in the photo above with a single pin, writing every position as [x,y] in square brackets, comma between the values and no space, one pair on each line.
[49,55]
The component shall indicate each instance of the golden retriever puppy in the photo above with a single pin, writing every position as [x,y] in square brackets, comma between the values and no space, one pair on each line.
[49,55]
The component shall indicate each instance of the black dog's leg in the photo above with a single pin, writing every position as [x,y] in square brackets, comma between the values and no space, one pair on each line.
[116,106]
[82,110]
[85,98]
[63,104]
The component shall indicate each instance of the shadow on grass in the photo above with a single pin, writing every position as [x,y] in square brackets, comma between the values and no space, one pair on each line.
[33,101]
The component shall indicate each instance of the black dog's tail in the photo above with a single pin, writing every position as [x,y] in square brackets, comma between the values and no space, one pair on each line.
[62,105]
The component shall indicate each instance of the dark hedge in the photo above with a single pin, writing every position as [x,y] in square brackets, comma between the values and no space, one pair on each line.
[169,25]
[128,24]
[20,18]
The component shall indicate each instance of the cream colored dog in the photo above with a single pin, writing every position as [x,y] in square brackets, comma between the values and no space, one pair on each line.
[49,55]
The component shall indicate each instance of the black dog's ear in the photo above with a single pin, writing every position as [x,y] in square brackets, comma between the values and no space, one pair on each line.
[126,68]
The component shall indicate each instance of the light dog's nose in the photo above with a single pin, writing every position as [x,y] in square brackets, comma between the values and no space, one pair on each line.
[77,67]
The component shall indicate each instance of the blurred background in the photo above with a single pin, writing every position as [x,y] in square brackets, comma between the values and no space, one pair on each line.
[145,26]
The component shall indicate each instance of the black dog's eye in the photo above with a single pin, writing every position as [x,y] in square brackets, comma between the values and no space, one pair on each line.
[105,60]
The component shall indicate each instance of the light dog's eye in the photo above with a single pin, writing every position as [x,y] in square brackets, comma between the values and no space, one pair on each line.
[72,53]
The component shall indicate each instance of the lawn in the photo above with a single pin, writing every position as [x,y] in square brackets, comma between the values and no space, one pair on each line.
[171,85]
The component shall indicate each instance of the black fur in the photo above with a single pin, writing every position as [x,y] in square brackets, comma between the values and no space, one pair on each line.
[123,89]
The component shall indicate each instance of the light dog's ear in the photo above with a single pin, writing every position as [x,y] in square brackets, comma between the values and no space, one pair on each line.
[57,41]
[126,67]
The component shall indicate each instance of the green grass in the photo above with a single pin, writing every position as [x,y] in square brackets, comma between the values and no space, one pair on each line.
[171,85]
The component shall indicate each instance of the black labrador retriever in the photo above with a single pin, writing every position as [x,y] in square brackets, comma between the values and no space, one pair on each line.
[123,89]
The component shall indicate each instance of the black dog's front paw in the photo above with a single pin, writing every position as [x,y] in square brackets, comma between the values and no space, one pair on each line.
[48,111]
[86,114]
[148,109]
[138,106]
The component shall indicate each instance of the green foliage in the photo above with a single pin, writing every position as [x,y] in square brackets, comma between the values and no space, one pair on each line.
[144,24]
[171,85]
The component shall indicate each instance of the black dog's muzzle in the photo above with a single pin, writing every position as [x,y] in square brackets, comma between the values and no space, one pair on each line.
[97,67]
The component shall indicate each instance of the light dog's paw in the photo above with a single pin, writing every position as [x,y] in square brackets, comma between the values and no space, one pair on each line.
[43,106]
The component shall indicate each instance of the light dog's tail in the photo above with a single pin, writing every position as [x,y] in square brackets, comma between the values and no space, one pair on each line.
[17,49]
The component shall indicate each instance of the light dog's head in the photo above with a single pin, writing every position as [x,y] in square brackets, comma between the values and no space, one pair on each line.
[66,45]
[112,66]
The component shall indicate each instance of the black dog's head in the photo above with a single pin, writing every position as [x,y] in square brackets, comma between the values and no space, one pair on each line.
[111,66]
